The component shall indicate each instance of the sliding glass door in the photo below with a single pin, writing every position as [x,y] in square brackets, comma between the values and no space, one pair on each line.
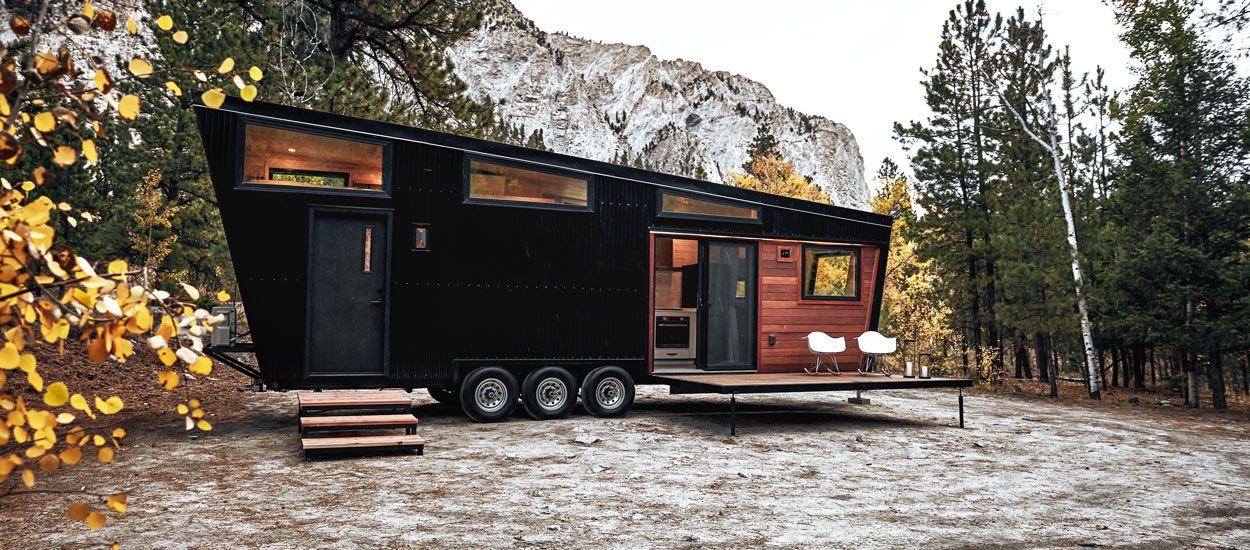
[728,306]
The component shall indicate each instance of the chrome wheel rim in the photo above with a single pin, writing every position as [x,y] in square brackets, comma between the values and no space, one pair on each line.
[490,395]
[610,392]
[552,394]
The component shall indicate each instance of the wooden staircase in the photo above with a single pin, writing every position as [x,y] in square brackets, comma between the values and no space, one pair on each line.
[321,412]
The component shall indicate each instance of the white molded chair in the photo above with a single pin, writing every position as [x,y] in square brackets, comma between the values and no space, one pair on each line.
[820,344]
[874,344]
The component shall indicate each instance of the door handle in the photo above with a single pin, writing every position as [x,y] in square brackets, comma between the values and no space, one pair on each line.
[377,302]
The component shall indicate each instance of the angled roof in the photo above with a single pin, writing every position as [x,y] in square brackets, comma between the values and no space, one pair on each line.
[387,130]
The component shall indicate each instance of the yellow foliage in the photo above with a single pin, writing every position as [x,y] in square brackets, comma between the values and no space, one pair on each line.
[773,175]
[165,22]
[78,511]
[180,37]
[117,503]
[168,378]
[128,107]
[226,66]
[213,98]
[110,406]
[140,68]
[95,520]
[56,395]
[105,454]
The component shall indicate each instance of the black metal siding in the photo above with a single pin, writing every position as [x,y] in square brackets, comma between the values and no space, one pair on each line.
[498,283]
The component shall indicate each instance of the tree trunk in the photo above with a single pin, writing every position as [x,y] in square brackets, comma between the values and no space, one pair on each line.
[1115,366]
[1139,366]
[1153,379]
[1043,358]
[1215,378]
[1245,375]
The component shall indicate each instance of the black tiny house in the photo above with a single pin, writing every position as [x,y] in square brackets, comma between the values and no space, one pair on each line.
[376,255]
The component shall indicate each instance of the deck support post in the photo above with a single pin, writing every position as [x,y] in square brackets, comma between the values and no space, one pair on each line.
[961,407]
[733,414]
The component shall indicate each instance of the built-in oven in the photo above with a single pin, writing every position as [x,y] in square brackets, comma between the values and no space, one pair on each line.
[675,334]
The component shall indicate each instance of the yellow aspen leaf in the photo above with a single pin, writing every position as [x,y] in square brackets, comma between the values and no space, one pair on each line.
[167,358]
[204,426]
[49,463]
[248,93]
[197,414]
[182,409]
[165,22]
[195,403]
[102,81]
[202,366]
[167,378]
[173,87]
[89,151]
[28,186]
[56,395]
[41,175]
[28,477]
[98,440]
[117,503]
[35,380]
[45,122]
[36,420]
[111,406]
[226,66]
[122,349]
[20,434]
[119,433]
[78,511]
[26,362]
[140,67]
[180,37]
[128,107]
[64,418]
[79,402]
[118,266]
[95,520]
[88,10]
[223,296]
[132,27]
[255,73]
[105,455]
[65,156]
[35,451]
[166,329]
[76,436]
[8,356]
[71,455]
[191,291]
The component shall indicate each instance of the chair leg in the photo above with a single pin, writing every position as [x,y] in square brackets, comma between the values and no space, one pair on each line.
[838,371]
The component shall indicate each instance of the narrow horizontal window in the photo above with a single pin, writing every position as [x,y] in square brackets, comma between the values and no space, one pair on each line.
[830,273]
[684,206]
[492,182]
[281,157]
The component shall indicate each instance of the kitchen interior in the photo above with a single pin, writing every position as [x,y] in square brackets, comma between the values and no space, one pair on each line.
[676,304]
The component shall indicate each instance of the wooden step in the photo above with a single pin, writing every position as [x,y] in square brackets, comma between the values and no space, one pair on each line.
[390,400]
[364,421]
[362,444]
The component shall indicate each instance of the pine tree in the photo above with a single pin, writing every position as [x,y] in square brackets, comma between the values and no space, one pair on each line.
[953,163]
[1181,207]
[764,144]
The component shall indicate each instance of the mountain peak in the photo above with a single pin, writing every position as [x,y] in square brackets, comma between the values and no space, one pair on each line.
[620,102]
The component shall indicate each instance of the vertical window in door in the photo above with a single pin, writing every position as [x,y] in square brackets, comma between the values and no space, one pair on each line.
[368,245]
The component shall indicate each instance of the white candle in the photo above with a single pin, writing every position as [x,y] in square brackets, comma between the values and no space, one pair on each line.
[924,371]
[908,372]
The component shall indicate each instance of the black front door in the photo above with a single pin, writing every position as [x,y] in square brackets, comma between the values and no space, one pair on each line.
[727,310]
[347,305]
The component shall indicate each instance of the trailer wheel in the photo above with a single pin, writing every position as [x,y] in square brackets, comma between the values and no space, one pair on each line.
[549,392]
[445,396]
[488,394]
[607,392]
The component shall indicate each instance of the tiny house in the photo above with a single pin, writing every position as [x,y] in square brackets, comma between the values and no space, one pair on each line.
[374,255]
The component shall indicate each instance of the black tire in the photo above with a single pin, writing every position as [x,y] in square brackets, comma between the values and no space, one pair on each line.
[488,394]
[607,392]
[445,396]
[549,392]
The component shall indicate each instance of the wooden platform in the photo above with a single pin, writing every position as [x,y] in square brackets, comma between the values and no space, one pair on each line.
[314,446]
[751,382]
[384,400]
[354,422]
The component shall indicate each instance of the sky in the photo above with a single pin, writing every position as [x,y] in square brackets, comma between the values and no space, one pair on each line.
[853,61]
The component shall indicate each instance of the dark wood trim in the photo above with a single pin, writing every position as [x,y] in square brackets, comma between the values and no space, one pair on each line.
[650,303]
[467,199]
[874,312]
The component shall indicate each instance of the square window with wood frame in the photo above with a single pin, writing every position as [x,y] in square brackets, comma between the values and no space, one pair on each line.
[281,157]
[506,183]
[830,273]
[684,206]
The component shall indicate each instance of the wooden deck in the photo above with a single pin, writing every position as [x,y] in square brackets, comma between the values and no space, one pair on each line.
[788,382]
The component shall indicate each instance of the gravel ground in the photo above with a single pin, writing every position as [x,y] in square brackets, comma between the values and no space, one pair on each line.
[806,470]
